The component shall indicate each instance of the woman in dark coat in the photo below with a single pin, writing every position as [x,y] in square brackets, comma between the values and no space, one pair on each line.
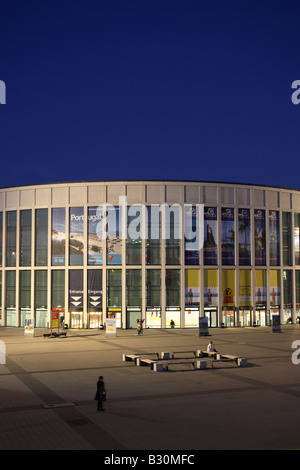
[100,394]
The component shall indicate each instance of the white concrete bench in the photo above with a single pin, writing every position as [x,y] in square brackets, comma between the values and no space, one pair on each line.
[239,361]
[161,366]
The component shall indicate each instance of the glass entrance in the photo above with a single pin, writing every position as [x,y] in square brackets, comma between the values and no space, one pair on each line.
[261,317]
[228,318]
[212,315]
[244,317]
[95,319]
[76,319]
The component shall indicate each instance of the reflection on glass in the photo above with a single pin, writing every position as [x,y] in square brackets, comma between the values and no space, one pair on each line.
[25,238]
[11,237]
[41,237]
[114,288]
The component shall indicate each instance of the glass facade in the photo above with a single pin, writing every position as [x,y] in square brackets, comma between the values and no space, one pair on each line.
[87,262]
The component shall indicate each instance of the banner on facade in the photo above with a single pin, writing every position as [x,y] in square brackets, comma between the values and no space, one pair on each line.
[274,287]
[260,288]
[192,287]
[245,288]
[244,222]
[228,287]
[274,237]
[228,236]
[210,288]
[210,246]
[95,288]
[260,237]
[76,288]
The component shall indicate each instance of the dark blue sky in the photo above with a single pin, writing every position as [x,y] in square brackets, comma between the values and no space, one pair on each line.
[161,89]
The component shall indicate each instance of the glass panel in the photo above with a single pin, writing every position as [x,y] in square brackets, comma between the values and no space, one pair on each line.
[153,243]
[11,235]
[297,274]
[76,234]
[210,236]
[10,298]
[260,237]
[41,237]
[25,289]
[172,234]
[95,235]
[25,296]
[40,289]
[58,289]
[297,239]
[228,236]
[114,288]
[58,236]
[134,288]
[244,237]
[113,235]
[25,238]
[274,238]
[134,239]
[287,287]
[153,287]
[172,288]
[287,238]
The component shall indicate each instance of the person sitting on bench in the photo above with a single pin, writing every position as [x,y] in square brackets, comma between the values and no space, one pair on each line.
[210,347]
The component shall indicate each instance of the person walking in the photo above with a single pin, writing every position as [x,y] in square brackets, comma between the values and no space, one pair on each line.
[100,393]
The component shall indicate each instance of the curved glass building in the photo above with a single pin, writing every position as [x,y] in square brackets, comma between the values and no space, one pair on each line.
[161,250]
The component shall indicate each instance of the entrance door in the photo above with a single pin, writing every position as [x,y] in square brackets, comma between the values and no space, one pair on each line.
[212,315]
[76,319]
[245,317]
[95,320]
[260,317]
[228,318]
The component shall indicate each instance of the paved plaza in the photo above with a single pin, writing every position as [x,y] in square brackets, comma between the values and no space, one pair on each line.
[47,389]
